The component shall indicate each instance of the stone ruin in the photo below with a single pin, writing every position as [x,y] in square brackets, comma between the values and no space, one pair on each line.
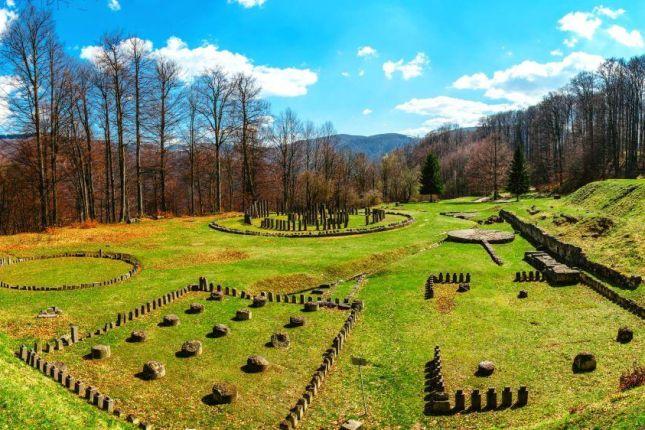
[100,352]
[280,340]
[50,312]
[555,272]
[584,362]
[170,320]
[243,315]
[153,370]
[256,364]
[223,393]
[191,348]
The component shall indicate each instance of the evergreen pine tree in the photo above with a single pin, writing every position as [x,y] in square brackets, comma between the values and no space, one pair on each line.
[431,182]
[518,177]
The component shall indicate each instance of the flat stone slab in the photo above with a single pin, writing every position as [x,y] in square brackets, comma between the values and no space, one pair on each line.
[479,235]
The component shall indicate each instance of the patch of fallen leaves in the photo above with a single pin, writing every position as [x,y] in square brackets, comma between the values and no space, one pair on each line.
[445,298]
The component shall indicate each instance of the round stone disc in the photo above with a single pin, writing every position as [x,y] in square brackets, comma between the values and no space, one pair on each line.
[477,235]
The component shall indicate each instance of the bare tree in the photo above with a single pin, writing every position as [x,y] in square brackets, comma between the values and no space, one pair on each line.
[25,47]
[215,106]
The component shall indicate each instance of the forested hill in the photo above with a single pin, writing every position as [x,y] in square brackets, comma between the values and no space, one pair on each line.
[374,147]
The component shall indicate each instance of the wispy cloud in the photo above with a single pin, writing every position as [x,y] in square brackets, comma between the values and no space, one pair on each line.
[367,111]
[448,110]
[248,3]
[114,5]
[611,13]
[409,70]
[366,51]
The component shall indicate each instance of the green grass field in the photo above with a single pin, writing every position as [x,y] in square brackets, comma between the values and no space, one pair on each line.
[532,341]
[62,271]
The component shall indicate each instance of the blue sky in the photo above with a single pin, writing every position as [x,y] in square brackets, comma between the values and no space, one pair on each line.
[426,62]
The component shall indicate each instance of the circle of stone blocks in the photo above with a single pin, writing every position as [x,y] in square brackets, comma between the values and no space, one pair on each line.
[296,321]
[138,336]
[584,362]
[154,370]
[280,340]
[311,306]
[127,258]
[522,294]
[171,320]
[191,348]
[243,315]
[224,393]
[485,368]
[478,235]
[221,330]
[196,308]
[257,363]
[100,352]
[462,288]
[259,301]
[625,335]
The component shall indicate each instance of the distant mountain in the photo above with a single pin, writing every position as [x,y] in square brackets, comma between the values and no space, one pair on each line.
[374,147]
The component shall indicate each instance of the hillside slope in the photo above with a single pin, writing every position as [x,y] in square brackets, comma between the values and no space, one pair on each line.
[604,218]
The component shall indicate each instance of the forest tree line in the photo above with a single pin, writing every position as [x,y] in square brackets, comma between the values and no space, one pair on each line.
[592,129]
[126,135]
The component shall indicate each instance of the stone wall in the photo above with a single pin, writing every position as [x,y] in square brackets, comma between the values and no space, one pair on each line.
[610,294]
[127,258]
[569,254]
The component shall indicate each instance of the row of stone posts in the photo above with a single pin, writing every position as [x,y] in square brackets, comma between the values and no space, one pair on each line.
[330,358]
[374,216]
[455,278]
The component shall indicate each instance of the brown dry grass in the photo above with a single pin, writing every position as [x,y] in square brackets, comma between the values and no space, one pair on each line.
[40,328]
[81,235]
[445,298]
[286,283]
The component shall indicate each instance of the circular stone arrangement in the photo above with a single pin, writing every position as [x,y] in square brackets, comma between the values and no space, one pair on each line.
[478,235]
[404,221]
[126,258]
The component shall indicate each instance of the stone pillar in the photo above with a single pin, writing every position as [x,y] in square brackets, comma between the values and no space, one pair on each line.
[491,399]
[460,401]
[507,397]
[475,400]
[522,396]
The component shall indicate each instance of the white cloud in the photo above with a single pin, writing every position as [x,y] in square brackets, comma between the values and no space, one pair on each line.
[556,53]
[345,74]
[361,73]
[570,42]
[248,3]
[6,16]
[366,51]
[408,70]
[114,5]
[583,24]
[632,39]
[11,3]
[275,81]
[611,13]
[367,111]
[527,82]
[449,110]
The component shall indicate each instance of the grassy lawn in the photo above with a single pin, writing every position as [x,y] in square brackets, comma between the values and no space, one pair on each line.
[531,341]
[189,380]
[62,271]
